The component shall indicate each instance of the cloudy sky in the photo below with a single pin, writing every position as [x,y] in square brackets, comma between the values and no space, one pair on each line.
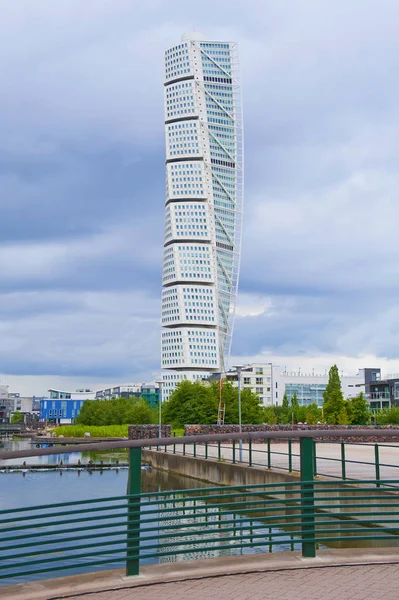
[82,184]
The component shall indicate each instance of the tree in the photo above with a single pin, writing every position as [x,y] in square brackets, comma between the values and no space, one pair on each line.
[285,403]
[342,418]
[388,416]
[294,401]
[300,414]
[251,409]
[333,397]
[269,415]
[140,413]
[313,414]
[283,412]
[197,403]
[191,403]
[117,411]
[358,410]
[17,417]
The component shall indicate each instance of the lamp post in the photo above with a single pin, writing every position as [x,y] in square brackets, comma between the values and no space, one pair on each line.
[160,382]
[239,368]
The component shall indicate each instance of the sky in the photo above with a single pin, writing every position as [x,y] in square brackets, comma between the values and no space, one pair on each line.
[82,185]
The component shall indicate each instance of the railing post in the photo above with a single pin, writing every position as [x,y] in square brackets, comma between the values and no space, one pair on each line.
[343,463]
[184,449]
[314,459]
[289,456]
[206,450]
[269,456]
[194,450]
[219,451]
[377,463]
[133,512]
[234,452]
[250,453]
[307,498]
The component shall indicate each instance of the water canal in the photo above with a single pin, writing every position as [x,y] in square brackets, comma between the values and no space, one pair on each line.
[23,487]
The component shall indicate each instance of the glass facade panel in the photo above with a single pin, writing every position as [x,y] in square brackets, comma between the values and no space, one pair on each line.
[306,393]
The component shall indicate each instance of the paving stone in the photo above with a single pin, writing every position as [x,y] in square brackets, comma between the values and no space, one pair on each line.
[365,582]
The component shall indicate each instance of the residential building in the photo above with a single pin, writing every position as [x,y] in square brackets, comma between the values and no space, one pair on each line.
[4,411]
[262,378]
[120,391]
[77,395]
[11,403]
[150,391]
[62,407]
[384,393]
[203,213]
[270,382]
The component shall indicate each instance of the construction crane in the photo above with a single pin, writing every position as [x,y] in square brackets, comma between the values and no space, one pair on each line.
[222,407]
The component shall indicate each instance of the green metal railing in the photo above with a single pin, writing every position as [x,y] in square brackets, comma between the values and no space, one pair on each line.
[254,456]
[306,514]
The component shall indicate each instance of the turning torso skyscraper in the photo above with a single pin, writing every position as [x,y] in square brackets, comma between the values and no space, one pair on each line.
[203,214]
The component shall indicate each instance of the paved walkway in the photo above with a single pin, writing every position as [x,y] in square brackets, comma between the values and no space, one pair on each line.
[323,583]
[328,458]
[344,574]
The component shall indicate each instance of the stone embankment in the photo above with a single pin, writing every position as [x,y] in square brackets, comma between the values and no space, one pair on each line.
[356,429]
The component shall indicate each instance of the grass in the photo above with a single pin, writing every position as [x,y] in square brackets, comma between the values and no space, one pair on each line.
[101,431]
[178,432]
[111,431]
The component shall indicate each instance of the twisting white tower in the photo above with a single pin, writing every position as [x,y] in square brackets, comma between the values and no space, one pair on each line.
[204,199]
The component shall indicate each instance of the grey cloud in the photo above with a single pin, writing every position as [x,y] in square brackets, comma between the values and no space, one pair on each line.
[104,335]
[82,181]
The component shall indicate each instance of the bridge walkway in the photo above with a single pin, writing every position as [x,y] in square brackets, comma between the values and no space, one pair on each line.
[333,575]
[359,458]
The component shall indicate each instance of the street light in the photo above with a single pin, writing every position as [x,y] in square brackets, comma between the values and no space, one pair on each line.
[239,368]
[160,382]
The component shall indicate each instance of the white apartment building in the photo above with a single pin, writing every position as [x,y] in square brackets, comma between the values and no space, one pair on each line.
[203,209]
[262,378]
[270,382]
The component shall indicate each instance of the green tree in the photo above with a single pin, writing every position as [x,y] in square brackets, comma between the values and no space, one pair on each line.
[17,417]
[191,403]
[388,416]
[313,414]
[283,412]
[251,409]
[342,418]
[294,401]
[117,411]
[358,410]
[300,414]
[141,413]
[333,398]
[269,415]
[197,403]
[285,404]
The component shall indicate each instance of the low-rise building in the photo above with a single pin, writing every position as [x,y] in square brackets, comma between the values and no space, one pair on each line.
[4,410]
[62,407]
[384,393]
[120,391]
[13,402]
[150,391]
[271,382]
